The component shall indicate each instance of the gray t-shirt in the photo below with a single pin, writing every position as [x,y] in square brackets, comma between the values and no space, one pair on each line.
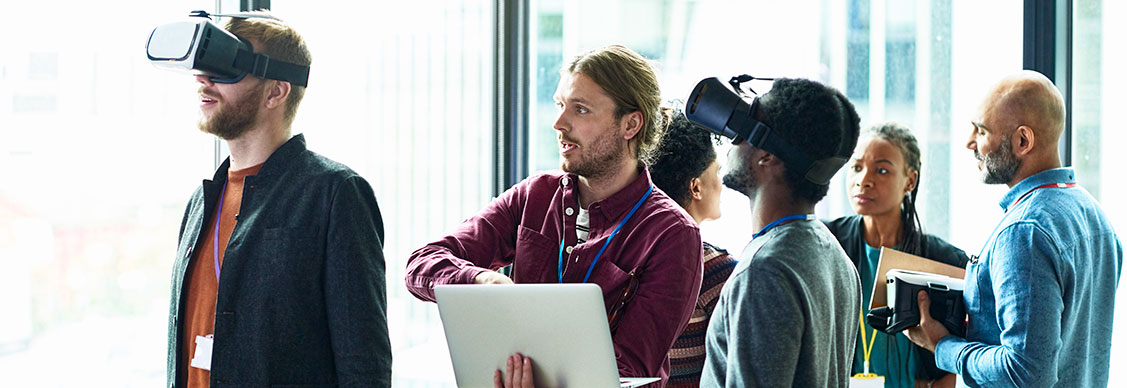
[788,314]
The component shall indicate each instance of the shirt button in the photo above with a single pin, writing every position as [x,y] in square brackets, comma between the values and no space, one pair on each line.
[569,211]
[569,249]
[564,181]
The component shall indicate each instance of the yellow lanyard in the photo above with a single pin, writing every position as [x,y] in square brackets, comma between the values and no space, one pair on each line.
[867,347]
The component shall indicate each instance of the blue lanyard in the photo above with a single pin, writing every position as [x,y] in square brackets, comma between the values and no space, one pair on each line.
[559,269]
[773,224]
[218,215]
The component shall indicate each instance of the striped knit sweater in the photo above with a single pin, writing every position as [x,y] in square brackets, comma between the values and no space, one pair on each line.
[686,359]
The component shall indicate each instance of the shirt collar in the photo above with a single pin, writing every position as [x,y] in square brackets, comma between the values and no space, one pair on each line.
[1050,176]
[622,201]
[276,163]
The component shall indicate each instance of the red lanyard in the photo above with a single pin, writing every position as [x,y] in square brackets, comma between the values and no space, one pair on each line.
[1060,185]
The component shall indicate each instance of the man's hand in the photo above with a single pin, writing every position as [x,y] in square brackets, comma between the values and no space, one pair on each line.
[492,277]
[518,373]
[929,332]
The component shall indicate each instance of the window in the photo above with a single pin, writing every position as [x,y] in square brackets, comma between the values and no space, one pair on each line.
[1097,133]
[99,154]
[920,63]
[404,96]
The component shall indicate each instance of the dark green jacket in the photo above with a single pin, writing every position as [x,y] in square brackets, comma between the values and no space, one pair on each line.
[302,300]
[850,232]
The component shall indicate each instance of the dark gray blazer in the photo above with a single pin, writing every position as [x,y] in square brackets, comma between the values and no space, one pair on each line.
[302,300]
[850,232]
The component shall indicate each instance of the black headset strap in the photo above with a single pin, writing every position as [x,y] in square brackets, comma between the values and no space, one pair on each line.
[239,15]
[817,171]
[261,66]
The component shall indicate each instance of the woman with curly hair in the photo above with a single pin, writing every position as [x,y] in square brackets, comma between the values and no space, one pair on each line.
[685,168]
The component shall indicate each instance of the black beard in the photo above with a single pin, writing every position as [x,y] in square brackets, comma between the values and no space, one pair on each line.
[742,181]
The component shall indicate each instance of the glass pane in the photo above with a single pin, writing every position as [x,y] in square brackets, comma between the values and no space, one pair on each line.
[100,153]
[1098,55]
[922,63]
[404,95]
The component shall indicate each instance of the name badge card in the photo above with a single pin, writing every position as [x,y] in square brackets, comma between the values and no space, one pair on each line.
[866,381]
[202,359]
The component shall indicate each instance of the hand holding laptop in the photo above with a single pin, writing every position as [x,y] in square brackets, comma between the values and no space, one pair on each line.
[518,373]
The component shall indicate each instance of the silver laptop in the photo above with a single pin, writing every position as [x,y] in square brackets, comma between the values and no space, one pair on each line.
[562,327]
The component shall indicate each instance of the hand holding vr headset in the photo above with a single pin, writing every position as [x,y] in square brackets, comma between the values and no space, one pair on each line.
[202,47]
[917,297]
[929,331]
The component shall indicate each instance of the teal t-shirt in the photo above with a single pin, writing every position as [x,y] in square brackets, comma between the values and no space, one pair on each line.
[892,356]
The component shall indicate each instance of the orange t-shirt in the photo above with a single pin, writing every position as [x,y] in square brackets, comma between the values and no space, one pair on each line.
[203,283]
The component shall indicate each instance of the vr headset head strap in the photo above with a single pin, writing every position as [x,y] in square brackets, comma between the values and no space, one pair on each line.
[819,171]
[261,66]
[242,15]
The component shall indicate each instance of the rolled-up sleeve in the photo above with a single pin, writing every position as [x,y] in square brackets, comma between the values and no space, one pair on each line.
[1026,285]
[483,242]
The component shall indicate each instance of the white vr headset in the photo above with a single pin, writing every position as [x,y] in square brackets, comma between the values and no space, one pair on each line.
[202,47]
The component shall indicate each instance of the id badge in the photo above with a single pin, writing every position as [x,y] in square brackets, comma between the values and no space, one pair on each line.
[866,381]
[202,358]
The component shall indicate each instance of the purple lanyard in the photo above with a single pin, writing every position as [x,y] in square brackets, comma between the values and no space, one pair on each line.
[218,214]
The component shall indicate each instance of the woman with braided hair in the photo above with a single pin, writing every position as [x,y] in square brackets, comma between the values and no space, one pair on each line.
[883,181]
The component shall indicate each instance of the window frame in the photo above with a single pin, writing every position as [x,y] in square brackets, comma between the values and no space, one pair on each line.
[1047,40]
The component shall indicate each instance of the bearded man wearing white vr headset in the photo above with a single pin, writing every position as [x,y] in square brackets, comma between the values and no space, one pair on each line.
[279,275]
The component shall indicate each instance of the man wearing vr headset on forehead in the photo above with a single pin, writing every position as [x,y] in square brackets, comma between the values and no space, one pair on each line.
[788,315]
[279,277]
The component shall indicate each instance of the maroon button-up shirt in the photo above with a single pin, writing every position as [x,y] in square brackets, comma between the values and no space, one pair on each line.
[660,244]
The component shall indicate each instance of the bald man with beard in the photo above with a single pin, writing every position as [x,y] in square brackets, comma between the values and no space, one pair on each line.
[1041,292]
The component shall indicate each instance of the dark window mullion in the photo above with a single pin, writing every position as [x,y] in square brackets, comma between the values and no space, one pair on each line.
[1047,42]
[511,94]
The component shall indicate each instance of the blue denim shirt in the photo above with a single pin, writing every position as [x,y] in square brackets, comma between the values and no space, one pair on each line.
[1040,297]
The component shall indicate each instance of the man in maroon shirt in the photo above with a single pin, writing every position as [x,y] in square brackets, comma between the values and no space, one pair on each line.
[599,220]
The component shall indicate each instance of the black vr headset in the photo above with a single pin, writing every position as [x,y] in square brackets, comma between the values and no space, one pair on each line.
[726,112]
[201,47]
[903,309]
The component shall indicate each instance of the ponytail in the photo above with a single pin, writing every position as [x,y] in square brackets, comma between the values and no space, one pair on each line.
[911,240]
